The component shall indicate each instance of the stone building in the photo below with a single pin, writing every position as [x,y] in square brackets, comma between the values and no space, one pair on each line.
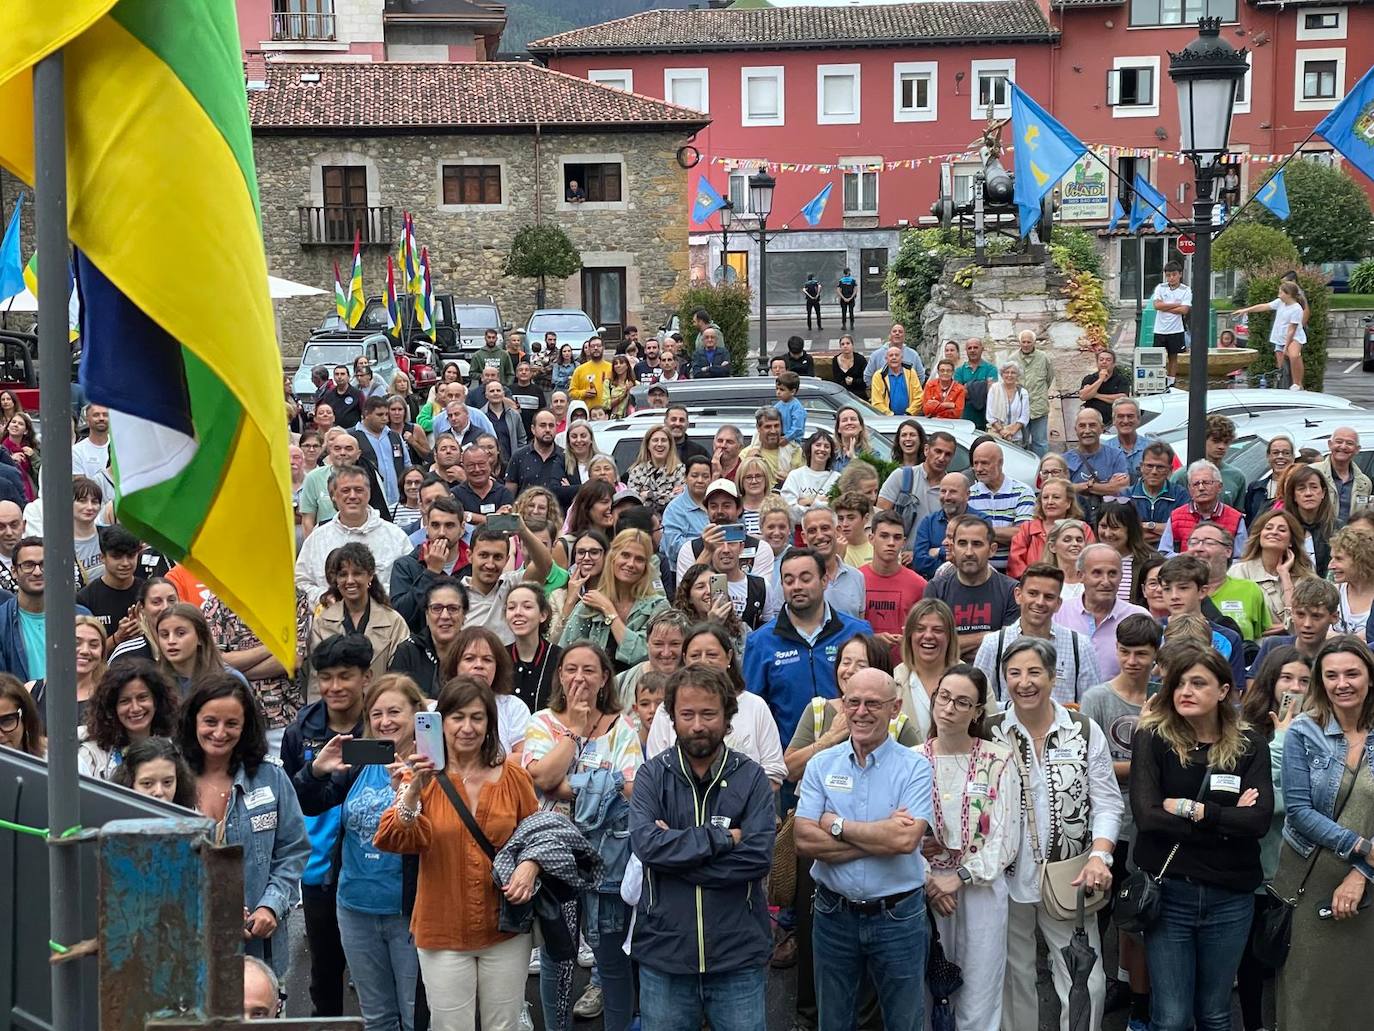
[473,151]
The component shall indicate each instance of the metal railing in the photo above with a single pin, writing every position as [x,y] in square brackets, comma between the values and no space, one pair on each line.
[303,25]
[332,225]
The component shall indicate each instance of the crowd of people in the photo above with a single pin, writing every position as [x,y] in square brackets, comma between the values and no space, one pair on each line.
[552,711]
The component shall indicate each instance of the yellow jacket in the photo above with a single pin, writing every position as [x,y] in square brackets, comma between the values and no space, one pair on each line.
[878,395]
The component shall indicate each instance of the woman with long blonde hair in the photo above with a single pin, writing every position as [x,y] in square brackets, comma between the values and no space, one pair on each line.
[657,474]
[930,646]
[615,615]
[1055,501]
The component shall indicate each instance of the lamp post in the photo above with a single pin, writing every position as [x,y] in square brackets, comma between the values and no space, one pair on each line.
[726,214]
[761,186]
[1206,74]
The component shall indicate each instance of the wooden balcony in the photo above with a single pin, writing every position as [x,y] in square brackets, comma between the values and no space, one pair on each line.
[335,226]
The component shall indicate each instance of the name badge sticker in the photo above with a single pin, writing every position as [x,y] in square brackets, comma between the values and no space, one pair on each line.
[259,798]
[723,822]
[839,782]
[1226,782]
[978,789]
[1233,605]
[1061,755]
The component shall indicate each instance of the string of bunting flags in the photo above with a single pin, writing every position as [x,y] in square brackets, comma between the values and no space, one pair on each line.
[1107,151]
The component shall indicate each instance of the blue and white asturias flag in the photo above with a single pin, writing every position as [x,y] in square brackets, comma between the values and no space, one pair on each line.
[815,207]
[1274,195]
[1042,154]
[1149,204]
[707,201]
[1118,213]
[1350,126]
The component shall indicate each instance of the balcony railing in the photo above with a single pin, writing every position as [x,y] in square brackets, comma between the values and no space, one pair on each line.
[304,26]
[335,225]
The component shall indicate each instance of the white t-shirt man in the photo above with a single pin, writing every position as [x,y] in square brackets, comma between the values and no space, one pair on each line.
[1167,322]
[1286,315]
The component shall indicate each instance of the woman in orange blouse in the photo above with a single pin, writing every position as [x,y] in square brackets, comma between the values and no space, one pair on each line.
[464,958]
[943,398]
[1056,501]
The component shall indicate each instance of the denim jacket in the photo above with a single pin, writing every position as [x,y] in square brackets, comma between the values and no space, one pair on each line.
[265,818]
[1313,764]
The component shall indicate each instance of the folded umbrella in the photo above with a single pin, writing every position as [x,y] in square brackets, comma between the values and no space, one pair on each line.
[943,979]
[1080,959]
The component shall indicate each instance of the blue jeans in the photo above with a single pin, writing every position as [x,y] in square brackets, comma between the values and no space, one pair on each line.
[1039,429]
[613,973]
[384,965]
[732,1000]
[891,945]
[1193,951]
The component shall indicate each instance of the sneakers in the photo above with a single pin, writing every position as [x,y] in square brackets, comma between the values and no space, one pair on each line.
[1296,386]
[591,1003]
[526,1019]
[585,959]
[534,960]
[784,952]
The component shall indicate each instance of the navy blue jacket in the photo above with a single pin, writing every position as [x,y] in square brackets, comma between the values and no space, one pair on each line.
[704,903]
[299,745]
[786,672]
[710,364]
[13,658]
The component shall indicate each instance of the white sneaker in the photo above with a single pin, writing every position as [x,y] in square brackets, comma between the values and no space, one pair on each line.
[534,960]
[526,1018]
[1296,386]
[590,1004]
[585,959]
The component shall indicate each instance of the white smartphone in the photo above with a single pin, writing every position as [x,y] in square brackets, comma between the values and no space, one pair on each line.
[429,737]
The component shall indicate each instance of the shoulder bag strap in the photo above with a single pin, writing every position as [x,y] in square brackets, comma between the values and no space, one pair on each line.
[1074,638]
[465,815]
[1316,849]
[1027,802]
[1179,844]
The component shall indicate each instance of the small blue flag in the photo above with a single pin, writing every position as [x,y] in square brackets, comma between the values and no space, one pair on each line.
[1043,153]
[1274,195]
[1350,126]
[1148,203]
[816,206]
[1118,213]
[11,267]
[707,202]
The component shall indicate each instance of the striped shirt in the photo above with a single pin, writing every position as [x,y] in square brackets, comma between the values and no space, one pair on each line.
[1011,504]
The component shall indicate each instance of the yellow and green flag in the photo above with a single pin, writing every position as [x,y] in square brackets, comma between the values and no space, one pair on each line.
[357,300]
[159,149]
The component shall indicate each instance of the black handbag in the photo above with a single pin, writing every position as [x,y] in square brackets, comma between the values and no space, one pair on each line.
[1272,934]
[1138,899]
[542,914]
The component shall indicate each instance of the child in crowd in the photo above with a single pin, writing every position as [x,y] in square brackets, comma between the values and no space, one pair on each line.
[649,692]
[791,410]
[851,512]
[1316,607]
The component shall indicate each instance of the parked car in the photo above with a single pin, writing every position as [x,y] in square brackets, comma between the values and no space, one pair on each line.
[669,327]
[1338,272]
[572,325]
[331,349]
[474,318]
[1248,452]
[1163,414]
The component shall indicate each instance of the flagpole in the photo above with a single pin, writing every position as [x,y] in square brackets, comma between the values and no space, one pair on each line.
[59,603]
[1255,194]
[1117,176]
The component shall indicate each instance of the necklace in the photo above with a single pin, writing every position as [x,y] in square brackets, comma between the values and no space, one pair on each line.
[941,828]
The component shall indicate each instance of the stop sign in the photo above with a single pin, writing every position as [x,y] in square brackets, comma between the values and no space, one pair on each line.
[1186,245]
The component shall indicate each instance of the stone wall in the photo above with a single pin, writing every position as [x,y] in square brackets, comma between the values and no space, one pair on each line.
[645,233]
[1345,328]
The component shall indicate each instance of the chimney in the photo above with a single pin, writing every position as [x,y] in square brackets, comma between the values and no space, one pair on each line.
[255,69]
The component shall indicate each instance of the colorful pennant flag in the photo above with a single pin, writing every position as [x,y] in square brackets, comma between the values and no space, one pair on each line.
[30,276]
[1147,204]
[393,304]
[415,282]
[340,297]
[201,465]
[1274,195]
[815,207]
[1350,126]
[11,264]
[1044,152]
[423,299]
[357,299]
[707,201]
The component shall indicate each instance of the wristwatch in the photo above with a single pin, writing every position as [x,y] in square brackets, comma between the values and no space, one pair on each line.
[964,876]
[1105,856]
[837,828]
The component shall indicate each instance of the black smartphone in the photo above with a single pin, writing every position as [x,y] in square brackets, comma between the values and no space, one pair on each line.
[505,523]
[369,751]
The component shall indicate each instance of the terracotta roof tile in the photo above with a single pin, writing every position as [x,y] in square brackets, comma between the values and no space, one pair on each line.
[930,21]
[455,96]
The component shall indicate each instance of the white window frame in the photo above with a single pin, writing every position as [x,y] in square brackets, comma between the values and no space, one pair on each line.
[1242,107]
[565,205]
[1339,32]
[775,72]
[929,69]
[838,71]
[962,170]
[1120,110]
[1300,61]
[701,75]
[622,79]
[1006,66]
[846,171]
[741,209]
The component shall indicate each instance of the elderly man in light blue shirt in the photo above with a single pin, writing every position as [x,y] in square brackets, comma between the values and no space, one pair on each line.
[862,810]
[897,338]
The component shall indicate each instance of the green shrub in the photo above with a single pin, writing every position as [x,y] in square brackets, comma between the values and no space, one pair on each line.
[1263,285]
[1073,248]
[919,263]
[542,252]
[728,304]
[1248,245]
[1362,277]
[1329,214]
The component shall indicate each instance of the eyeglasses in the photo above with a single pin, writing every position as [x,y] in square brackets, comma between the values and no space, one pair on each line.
[589,552]
[440,609]
[31,566]
[871,704]
[9,721]
[960,704]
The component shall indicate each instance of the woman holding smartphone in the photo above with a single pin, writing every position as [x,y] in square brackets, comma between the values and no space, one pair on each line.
[466,960]
[376,890]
